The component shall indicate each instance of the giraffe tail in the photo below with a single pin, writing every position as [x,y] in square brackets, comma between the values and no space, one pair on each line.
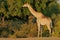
[52,26]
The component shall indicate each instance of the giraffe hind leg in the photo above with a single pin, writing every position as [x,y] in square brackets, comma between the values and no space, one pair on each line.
[49,28]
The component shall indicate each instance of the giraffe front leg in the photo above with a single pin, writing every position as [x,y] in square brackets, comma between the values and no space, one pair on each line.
[38,24]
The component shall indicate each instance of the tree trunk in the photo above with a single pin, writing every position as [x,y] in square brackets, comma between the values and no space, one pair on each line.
[3,22]
[2,19]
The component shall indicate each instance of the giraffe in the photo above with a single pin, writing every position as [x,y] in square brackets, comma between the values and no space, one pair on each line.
[41,19]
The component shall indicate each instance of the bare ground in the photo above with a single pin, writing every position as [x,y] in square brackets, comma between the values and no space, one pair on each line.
[41,38]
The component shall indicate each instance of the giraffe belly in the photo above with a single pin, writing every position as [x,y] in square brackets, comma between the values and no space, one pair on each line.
[43,22]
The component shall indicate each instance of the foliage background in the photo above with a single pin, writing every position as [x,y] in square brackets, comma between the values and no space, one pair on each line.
[13,21]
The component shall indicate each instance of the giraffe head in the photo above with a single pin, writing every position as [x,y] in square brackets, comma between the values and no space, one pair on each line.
[25,5]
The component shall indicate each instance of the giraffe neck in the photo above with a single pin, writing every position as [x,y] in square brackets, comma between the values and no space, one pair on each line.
[34,13]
